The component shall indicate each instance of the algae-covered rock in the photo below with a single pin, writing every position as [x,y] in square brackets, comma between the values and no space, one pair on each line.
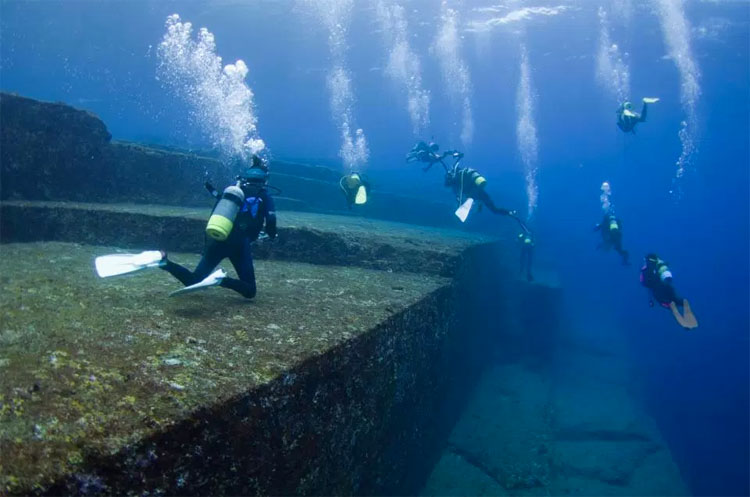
[303,237]
[48,150]
[327,383]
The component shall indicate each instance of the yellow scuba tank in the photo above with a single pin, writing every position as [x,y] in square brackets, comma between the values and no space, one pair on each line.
[222,218]
[663,271]
[477,178]
[613,226]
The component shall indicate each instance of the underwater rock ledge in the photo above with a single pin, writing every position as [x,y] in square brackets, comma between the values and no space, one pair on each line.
[52,151]
[334,380]
[303,237]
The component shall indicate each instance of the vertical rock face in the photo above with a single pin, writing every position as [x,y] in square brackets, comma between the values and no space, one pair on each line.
[48,150]
[51,151]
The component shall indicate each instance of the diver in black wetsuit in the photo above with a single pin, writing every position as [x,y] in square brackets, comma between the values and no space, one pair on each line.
[656,276]
[468,183]
[356,188]
[422,152]
[256,210]
[611,228]
[465,182]
[527,254]
[627,118]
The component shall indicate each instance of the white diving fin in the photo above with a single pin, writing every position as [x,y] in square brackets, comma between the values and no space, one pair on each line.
[361,197]
[629,113]
[650,100]
[687,318]
[116,264]
[463,212]
[212,279]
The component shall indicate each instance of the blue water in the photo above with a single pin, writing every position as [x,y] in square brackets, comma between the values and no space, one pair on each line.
[102,56]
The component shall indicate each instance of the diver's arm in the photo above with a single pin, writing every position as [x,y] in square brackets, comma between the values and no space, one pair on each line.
[213,191]
[270,217]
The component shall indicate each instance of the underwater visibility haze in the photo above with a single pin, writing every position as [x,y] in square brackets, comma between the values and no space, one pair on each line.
[530,92]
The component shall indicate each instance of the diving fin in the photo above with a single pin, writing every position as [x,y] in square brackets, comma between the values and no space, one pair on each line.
[361,197]
[628,113]
[463,212]
[686,319]
[212,279]
[116,264]
[650,100]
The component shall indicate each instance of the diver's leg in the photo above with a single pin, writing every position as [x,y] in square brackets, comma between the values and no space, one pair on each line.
[211,258]
[644,111]
[242,260]
[623,253]
[484,197]
[529,258]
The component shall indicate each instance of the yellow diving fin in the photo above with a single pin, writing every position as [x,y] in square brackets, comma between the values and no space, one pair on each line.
[463,212]
[361,197]
[686,319]
[650,100]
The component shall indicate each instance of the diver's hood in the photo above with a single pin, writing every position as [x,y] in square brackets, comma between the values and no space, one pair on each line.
[253,175]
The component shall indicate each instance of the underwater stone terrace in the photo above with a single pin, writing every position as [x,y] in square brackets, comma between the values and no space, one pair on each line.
[328,382]
[111,386]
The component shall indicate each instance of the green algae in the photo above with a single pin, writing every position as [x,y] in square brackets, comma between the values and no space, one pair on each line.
[90,366]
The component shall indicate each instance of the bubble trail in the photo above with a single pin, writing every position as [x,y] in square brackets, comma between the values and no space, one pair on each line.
[676,31]
[605,197]
[404,67]
[447,47]
[336,15]
[221,101]
[526,134]
[612,71]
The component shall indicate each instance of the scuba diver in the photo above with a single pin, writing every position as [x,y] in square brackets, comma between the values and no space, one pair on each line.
[611,228]
[656,276]
[356,188]
[467,184]
[238,218]
[627,119]
[527,254]
[422,152]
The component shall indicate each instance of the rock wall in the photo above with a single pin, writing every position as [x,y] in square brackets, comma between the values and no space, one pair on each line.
[317,239]
[51,151]
[366,416]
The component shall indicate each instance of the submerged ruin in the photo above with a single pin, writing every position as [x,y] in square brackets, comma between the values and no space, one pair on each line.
[377,358]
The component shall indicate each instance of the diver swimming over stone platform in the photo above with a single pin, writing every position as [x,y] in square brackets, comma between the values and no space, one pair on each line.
[466,183]
[239,217]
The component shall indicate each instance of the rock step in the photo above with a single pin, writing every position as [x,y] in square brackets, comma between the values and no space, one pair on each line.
[326,383]
[303,237]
